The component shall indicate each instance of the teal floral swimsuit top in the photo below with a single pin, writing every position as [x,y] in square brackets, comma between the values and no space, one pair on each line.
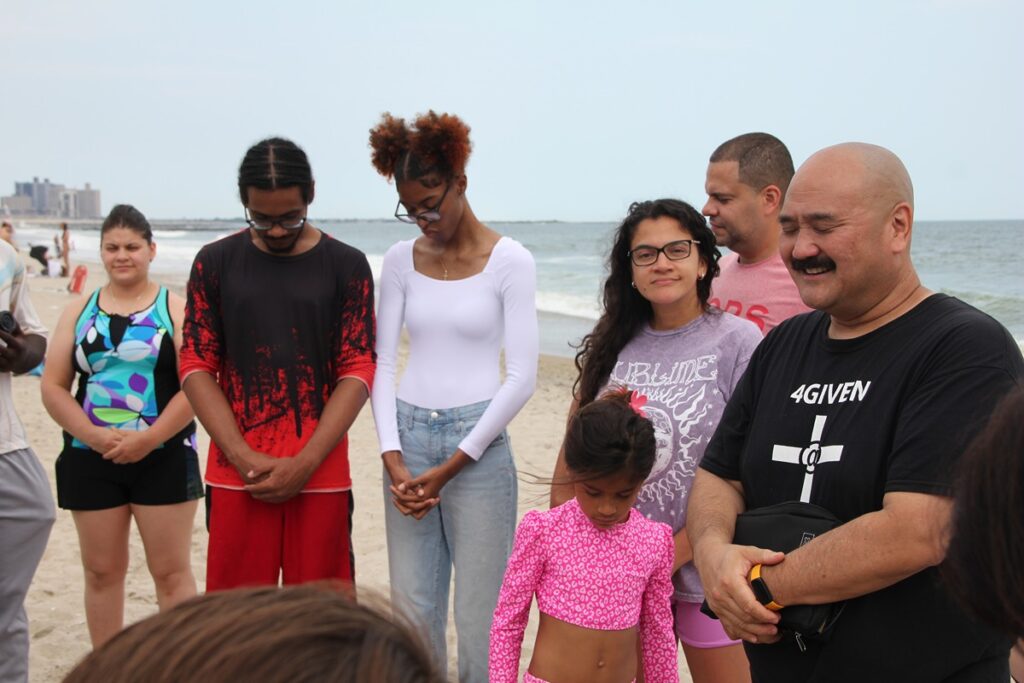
[127,365]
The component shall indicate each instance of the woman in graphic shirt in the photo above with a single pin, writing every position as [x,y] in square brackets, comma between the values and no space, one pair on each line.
[658,335]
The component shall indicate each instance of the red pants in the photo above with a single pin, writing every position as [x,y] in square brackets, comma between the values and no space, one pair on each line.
[253,543]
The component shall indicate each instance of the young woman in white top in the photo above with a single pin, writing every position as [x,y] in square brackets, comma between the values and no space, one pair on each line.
[462,292]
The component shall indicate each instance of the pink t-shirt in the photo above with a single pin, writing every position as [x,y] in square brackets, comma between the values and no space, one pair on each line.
[761,292]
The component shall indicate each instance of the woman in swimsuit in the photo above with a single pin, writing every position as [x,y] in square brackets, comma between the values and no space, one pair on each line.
[129,438]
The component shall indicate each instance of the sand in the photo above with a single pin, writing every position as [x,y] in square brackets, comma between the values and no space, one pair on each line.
[56,612]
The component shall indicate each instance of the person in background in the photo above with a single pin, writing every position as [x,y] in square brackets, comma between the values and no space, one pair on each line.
[64,249]
[41,253]
[271,635]
[26,506]
[129,437]
[464,293]
[746,182]
[277,361]
[986,552]
[862,407]
[658,333]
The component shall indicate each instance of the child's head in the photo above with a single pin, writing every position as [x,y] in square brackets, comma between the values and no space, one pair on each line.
[313,632]
[609,450]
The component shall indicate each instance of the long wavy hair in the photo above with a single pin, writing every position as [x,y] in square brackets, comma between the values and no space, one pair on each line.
[625,309]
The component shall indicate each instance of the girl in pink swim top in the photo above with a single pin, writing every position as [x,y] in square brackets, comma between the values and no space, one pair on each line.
[601,571]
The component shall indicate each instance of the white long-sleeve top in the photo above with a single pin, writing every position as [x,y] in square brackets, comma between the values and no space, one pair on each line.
[456,332]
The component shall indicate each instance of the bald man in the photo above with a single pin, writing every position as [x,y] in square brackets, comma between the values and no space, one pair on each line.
[862,407]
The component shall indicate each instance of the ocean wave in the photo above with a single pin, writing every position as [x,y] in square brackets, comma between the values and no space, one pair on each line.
[169,234]
[572,305]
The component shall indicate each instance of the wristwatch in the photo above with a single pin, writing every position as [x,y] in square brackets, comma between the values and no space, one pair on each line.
[760,588]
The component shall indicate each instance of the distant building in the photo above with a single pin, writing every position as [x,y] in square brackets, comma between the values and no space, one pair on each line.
[51,199]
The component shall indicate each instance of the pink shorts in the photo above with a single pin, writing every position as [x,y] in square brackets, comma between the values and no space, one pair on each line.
[696,629]
[530,678]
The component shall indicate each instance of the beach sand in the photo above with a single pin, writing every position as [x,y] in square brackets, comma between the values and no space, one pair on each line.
[59,637]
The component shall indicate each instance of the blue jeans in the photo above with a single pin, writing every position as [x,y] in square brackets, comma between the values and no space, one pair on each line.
[472,529]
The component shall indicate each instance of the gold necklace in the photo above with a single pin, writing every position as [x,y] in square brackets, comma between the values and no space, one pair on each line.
[444,267]
[132,303]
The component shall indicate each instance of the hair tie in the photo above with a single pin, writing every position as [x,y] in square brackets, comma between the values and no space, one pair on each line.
[637,401]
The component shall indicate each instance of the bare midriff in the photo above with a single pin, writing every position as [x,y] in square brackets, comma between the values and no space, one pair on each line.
[566,653]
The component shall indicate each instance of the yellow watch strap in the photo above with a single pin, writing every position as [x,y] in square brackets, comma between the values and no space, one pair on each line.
[755,574]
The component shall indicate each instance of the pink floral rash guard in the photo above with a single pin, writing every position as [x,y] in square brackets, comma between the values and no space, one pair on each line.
[604,579]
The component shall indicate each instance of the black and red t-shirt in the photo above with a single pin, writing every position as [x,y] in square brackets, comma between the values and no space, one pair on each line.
[279,332]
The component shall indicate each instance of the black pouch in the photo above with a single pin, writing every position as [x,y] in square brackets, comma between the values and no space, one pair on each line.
[786,527]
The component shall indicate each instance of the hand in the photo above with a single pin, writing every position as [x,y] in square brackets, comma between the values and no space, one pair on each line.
[724,570]
[103,439]
[400,475]
[132,447]
[278,479]
[423,492]
[249,463]
[11,355]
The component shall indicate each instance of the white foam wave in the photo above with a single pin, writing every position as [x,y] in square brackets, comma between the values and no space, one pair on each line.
[169,234]
[568,304]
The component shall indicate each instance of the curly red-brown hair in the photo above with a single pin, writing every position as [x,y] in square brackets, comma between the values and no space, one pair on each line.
[435,144]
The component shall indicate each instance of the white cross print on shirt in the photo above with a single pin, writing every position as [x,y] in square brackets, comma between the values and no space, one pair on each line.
[809,457]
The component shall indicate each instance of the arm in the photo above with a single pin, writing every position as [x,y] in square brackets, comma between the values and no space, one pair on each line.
[24,349]
[518,295]
[390,317]
[175,416]
[55,387]
[561,486]
[657,635]
[866,554]
[525,568]
[683,549]
[214,412]
[199,362]
[723,567]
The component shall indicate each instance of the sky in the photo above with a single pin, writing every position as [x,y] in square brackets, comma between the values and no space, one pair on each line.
[576,108]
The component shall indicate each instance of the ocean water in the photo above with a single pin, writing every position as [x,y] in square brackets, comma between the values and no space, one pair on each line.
[976,261]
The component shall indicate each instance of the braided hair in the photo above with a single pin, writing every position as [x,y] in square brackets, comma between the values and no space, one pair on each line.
[272,164]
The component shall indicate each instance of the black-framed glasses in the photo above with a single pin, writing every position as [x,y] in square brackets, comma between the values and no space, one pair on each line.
[646,255]
[430,215]
[263,224]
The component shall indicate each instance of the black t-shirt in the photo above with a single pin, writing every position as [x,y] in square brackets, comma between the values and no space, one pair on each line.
[279,332]
[839,423]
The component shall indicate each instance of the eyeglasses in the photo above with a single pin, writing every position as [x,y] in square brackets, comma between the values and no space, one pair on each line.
[645,255]
[268,223]
[430,215]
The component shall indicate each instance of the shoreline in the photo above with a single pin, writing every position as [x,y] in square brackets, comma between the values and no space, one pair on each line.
[558,332]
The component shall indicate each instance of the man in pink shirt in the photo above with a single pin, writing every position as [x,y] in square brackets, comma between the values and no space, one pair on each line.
[746,182]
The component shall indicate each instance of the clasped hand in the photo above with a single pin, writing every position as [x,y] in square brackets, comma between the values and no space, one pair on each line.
[124,447]
[272,480]
[414,496]
[724,571]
